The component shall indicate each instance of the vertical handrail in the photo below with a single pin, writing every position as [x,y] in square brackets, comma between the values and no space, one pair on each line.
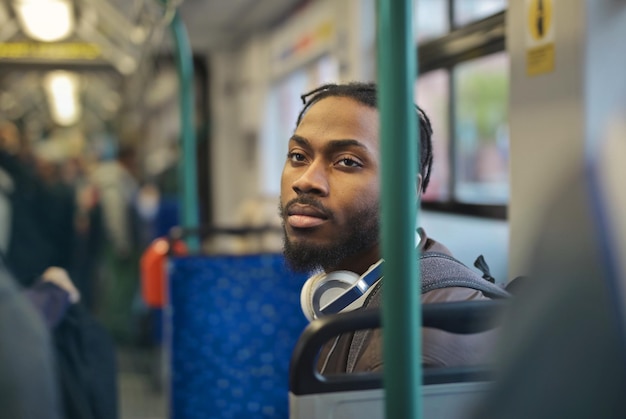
[188,181]
[401,303]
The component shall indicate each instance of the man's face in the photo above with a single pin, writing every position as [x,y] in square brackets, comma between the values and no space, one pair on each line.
[330,185]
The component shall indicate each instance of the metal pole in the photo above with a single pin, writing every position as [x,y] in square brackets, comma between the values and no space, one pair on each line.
[399,136]
[188,183]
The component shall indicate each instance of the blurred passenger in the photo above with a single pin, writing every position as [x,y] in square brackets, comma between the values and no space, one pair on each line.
[74,377]
[117,189]
[88,228]
[85,357]
[330,199]
[52,295]
[148,203]
[83,352]
[6,190]
[40,232]
[28,383]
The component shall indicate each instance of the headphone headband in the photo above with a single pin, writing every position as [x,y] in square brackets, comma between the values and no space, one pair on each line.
[373,274]
[331,293]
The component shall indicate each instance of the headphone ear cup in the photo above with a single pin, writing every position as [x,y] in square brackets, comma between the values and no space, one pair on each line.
[321,289]
[306,295]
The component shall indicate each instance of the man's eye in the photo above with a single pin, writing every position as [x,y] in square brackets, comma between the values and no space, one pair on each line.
[295,157]
[348,162]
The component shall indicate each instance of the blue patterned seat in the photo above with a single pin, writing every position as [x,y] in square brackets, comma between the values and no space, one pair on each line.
[233,323]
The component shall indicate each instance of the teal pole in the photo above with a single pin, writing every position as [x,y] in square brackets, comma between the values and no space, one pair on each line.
[401,314]
[188,181]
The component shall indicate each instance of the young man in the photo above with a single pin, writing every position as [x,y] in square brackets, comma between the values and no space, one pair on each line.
[330,193]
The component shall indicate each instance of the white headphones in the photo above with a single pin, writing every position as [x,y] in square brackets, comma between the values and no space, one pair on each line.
[331,293]
[334,292]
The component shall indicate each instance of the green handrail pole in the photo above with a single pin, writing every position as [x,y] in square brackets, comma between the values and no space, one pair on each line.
[188,182]
[401,313]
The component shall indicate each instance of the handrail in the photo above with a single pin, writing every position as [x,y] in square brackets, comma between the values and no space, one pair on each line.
[401,304]
[188,182]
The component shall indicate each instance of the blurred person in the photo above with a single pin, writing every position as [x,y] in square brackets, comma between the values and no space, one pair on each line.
[6,190]
[28,381]
[10,138]
[88,241]
[40,236]
[117,189]
[40,224]
[83,352]
[52,294]
[330,198]
[147,203]
[55,362]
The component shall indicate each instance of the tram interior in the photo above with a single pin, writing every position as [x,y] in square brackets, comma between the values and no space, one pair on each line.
[92,156]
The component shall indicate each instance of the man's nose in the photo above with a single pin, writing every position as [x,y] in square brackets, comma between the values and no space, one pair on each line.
[313,180]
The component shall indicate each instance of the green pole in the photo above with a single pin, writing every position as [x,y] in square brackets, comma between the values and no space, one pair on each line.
[188,182]
[401,314]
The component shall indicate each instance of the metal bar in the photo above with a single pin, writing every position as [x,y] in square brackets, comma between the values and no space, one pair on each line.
[451,15]
[452,137]
[187,167]
[399,134]
[109,11]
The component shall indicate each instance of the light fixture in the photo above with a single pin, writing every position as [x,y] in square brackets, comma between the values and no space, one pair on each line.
[62,91]
[45,20]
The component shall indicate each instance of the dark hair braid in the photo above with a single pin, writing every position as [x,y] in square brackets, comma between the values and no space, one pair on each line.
[366,93]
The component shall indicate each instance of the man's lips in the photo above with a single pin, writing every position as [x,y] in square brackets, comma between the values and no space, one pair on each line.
[305,216]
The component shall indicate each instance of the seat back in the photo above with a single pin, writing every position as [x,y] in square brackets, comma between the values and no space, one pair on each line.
[446,392]
[231,324]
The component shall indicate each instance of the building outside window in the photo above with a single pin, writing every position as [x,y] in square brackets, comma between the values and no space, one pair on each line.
[463,86]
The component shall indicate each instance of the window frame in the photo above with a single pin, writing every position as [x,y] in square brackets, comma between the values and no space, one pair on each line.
[472,41]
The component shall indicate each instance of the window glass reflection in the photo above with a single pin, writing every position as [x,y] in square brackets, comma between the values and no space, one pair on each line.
[430,19]
[466,11]
[481,129]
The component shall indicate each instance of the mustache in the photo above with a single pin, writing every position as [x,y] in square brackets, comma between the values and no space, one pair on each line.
[306,200]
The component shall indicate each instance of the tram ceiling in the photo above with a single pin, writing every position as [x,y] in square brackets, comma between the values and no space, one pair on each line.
[107,46]
[102,45]
[216,24]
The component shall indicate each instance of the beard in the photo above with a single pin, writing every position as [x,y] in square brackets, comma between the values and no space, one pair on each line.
[361,232]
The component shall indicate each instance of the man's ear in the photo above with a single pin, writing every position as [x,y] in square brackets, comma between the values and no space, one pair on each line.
[418,186]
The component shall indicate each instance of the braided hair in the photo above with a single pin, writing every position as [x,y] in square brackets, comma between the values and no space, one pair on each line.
[366,94]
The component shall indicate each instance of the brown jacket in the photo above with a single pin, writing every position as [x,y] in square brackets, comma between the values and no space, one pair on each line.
[439,348]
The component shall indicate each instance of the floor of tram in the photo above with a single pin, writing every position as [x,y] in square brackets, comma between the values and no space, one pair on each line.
[140,384]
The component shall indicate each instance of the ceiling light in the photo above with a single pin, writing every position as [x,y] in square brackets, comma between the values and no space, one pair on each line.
[45,20]
[126,65]
[62,90]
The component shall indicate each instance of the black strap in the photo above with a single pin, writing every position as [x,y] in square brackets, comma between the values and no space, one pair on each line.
[481,264]
[438,270]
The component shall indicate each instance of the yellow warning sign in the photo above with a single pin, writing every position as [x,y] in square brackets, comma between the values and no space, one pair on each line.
[540,60]
[539,18]
[540,49]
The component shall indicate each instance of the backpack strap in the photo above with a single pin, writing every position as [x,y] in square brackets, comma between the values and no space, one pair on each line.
[439,270]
